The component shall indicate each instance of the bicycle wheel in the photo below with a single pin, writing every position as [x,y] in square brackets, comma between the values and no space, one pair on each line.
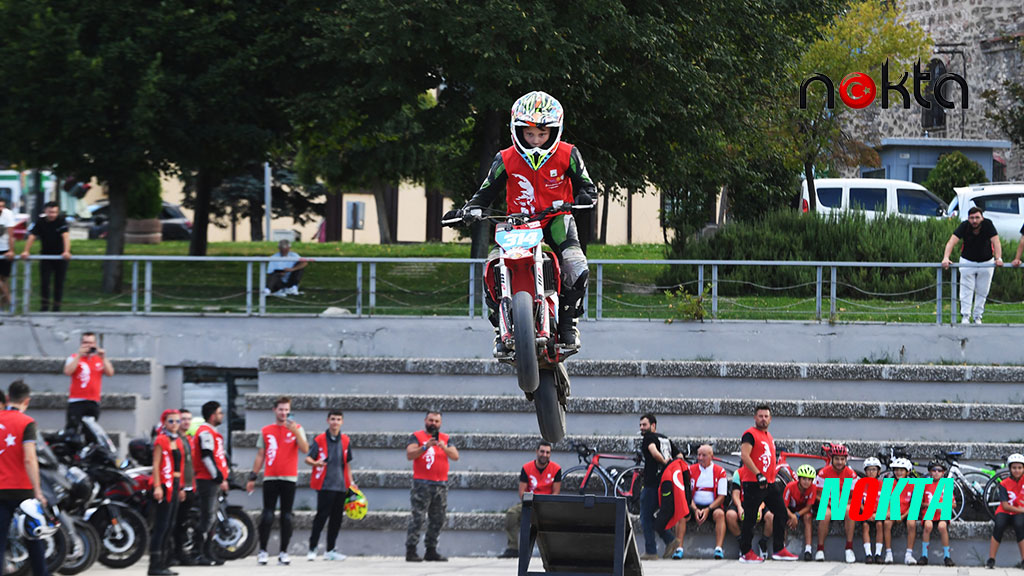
[974,491]
[576,481]
[959,499]
[992,493]
[628,485]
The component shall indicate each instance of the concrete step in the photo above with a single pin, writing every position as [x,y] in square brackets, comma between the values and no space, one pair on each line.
[690,379]
[118,410]
[507,452]
[482,534]
[882,421]
[45,374]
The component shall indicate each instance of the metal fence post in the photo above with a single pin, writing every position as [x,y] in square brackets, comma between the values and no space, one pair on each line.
[938,295]
[26,295]
[248,288]
[263,289]
[832,296]
[817,295]
[373,287]
[135,287]
[472,295]
[600,291]
[700,280]
[359,289]
[714,291]
[147,302]
[953,303]
[12,305]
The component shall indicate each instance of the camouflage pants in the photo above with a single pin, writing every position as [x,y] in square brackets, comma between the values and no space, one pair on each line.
[513,518]
[430,500]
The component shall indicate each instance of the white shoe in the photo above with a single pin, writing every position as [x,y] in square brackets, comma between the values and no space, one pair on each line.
[283,559]
[977,320]
[267,291]
[909,560]
[332,555]
[965,319]
[850,556]
[888,556]
[292,290]
[819,556]
[261,558]
[311,555]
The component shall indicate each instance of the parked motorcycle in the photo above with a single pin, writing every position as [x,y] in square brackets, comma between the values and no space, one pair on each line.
[70,488]
[55,543]
[527,293]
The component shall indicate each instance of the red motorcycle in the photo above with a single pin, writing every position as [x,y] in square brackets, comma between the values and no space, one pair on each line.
[527,292]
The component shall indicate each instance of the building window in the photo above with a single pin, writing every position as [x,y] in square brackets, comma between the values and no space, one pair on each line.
[918,174]
[874,173]
[998,170]
[935,117]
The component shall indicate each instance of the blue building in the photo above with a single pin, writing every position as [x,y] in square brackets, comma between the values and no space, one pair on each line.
[913,158]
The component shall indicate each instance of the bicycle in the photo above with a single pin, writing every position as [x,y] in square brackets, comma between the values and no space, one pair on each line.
[784,472]
[968,486]
[590,477]
[991,493]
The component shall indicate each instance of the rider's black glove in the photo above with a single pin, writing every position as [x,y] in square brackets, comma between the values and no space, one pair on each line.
[452,215]
[762,482]
[584,199]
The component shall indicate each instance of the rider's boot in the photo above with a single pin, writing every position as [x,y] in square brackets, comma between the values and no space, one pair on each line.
[568,335]
[569,309]
[500,350]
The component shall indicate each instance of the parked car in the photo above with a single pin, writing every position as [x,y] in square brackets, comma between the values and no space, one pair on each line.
[1002,203]
[174,224]
[874,196]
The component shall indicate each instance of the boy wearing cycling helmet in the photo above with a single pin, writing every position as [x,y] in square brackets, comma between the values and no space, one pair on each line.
[872,468]
[937,469]
[837,468]
[1011,508]
[901,468]
[801,496]
[538,170]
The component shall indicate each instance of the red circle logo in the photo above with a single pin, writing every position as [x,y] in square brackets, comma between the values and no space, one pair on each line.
[857,90]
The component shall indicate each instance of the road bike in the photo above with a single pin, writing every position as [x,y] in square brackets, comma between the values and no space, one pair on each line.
[970,486]
[591,477]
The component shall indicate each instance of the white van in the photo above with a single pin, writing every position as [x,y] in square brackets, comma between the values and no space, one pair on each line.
[1002,203]
[874,196]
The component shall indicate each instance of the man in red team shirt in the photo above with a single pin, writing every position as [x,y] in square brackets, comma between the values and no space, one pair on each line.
[86,369]
[709,485]
[838,455]
[539,476]
[757,477]
[429,452]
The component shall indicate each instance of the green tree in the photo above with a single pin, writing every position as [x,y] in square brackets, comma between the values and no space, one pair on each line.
[1006,109]
[953,170]
[862,39]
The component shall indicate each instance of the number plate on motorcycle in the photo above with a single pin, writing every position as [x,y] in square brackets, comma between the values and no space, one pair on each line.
[518,238]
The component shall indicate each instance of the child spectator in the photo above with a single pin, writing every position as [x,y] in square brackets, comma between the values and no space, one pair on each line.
[1010,510]
[872,468]
[937,469]
[901,469]
[801,497]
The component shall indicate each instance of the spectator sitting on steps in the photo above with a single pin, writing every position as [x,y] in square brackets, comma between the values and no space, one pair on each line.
[284,271]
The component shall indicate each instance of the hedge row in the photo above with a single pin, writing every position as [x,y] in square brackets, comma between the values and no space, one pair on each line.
[791,236]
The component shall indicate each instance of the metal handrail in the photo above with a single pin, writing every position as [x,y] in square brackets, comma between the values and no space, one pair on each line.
[23,280]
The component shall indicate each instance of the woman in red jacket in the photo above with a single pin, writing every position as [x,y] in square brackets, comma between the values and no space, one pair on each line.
[168,464]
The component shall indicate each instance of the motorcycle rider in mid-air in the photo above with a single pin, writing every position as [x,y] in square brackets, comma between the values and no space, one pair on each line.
[536,171]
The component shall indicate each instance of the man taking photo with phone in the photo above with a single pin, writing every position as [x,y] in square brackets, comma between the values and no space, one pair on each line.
[430,452]
[87,367]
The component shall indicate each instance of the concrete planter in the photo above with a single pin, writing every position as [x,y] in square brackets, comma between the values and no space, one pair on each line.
[143,231]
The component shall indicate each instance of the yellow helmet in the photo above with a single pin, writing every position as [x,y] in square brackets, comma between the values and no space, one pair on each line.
[355,506]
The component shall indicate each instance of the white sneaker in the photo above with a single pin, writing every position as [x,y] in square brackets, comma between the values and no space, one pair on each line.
[332,555]
[888,556]
[977,320]
[909,560]
[261,558]
[850,556]
[311,555]
[293,290]
[819,556]
[965,319]
[266,291]
[283,559]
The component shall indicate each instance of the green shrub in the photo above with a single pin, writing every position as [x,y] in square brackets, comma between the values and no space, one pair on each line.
[144,200]
[790,236]
[953,170]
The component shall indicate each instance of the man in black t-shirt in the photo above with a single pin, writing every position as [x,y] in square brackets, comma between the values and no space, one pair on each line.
[981,242]
[52,231]
[657,451]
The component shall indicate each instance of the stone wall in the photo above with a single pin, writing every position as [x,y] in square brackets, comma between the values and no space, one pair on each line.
[989,34]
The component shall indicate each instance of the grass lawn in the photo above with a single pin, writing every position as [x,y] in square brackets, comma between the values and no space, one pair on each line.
[630,290]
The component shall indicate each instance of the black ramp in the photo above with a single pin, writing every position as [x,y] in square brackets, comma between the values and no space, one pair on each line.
[588,535]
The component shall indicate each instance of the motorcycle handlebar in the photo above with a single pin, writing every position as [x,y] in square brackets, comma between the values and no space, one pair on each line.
[476,214]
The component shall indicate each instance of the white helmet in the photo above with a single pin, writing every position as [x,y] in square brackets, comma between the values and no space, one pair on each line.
[1016,457]
[541,110]
[33,523]
[901,463]
[869,462]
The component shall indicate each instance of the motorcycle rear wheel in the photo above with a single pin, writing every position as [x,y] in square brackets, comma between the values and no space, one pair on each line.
[550,412]
[55,547]
[524,331]
[83,549]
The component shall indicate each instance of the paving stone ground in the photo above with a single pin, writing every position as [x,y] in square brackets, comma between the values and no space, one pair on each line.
[394,566]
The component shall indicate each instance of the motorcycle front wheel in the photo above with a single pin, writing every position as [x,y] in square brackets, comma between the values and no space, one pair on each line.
[55,547]
[550,412]
[524,330]
[122,543]
[235,536]
[83,549]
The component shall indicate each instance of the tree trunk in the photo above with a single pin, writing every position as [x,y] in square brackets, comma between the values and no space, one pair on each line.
[604,215]
[256,220]
[490,144]
[380,198]
[113,272]
[205,184]
[334,216]
[629,216]
[812,197]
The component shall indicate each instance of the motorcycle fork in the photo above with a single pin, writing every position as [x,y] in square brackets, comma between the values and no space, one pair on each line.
[539,295]
[505,315]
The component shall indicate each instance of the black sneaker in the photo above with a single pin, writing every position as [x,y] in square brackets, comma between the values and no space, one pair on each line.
[948,561]
[412,556]
[509,553]
[990,563]
[869,559]
[432,555]
[878,558]
[807,556]
[923,561]
[762,545]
